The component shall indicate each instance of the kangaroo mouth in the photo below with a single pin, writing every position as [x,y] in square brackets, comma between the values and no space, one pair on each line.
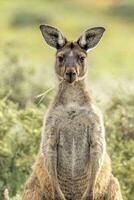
[70,80]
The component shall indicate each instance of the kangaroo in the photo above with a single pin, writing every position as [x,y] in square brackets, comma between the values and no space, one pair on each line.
[72,163]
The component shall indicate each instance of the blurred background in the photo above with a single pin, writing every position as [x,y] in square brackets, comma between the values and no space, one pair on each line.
[27,70]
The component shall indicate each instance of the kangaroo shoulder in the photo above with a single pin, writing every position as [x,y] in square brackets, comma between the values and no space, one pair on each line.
[96,113]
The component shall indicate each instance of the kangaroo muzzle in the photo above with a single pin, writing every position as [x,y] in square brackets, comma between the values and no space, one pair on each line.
[70,76]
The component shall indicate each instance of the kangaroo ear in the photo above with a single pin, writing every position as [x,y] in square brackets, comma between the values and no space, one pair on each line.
[90,38]
[53,36]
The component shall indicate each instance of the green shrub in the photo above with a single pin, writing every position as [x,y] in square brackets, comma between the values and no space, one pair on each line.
[23,18]
[119,124]
[19,142]
[21,82]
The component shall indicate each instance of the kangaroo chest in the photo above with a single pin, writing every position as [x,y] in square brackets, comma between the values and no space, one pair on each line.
[73,143]
[73,150]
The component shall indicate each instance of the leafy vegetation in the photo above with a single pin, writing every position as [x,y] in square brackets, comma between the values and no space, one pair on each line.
[19,142]
[20,83]
[119,123]
[24,19]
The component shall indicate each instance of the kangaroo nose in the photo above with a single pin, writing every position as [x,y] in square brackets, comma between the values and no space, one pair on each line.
[71,74]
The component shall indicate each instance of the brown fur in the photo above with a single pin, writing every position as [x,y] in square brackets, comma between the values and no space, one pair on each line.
[38,185]
[72,163]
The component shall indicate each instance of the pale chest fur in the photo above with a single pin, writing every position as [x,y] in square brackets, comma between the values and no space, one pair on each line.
[74,126]
[74,141]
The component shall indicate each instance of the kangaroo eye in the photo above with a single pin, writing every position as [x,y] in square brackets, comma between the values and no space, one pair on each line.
[82,58]
[61,59]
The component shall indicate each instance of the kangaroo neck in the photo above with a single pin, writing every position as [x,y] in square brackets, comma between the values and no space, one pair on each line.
[72,93]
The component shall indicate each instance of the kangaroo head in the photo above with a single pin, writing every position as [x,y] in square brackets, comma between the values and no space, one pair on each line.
[70,62]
